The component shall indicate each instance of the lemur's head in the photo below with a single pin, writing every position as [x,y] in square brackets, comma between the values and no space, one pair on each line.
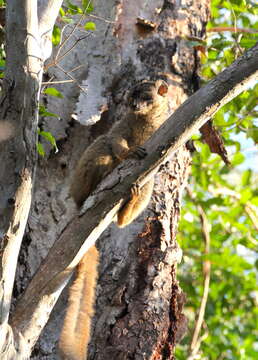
[147,95]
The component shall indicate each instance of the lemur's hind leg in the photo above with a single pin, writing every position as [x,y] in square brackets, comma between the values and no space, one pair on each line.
[137,203]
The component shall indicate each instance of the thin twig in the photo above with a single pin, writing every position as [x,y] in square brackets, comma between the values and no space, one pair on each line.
[71,77]
[231,29]
[101,18]
[57,82]
[196,339]
[249,208]
[246,129]
[58,59]
[61,39]
[235,30]
[74,28]
[76,68]
[44,85]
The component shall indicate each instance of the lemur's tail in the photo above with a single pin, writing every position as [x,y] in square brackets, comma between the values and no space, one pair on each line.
[75,334]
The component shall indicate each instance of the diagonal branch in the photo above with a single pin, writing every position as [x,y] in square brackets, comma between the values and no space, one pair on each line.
[100,208]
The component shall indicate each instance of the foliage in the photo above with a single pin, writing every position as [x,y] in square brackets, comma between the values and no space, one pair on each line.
[229,198]
[67,16]
[49,138]
[53,92]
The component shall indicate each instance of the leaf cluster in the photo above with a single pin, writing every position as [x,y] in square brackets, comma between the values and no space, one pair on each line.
[229,198]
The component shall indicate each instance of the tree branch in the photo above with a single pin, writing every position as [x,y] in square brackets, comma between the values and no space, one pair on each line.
[100,208]
[232,29]
[17,152]
[18,156]
[47,14]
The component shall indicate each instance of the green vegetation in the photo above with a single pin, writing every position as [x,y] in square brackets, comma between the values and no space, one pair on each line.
[219,224]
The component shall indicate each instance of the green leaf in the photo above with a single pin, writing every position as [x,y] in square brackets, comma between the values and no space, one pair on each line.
[254,200]
[67,20]
[213,201]
[87,6]
[253,133]
[208,73]
[62,12]
[247,43]
[246,176]
[229,56]
[246,194]
[40,149]
[43,112]
[90,26]
[237,159]
[2,67]
[236,6]
[220,119]
[73,9]
[53,92]
[56,35]
[49,137]
[213,54]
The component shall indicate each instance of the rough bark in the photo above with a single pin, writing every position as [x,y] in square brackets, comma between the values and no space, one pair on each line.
[182,77]
[51,209]
[25,45]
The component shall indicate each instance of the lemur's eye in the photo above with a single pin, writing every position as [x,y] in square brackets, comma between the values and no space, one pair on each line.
[147,98]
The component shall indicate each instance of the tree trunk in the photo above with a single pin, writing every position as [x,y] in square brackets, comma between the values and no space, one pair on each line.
[27,46]
[137,288]
[139,302]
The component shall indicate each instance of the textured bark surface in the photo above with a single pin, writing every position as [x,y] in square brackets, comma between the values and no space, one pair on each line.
[18,115]
[139,301]
[27,46]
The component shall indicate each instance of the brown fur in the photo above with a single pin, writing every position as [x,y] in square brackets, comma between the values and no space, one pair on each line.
[75,334]
[147,110]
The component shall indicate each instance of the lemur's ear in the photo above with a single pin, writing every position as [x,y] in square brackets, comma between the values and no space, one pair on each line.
[162,87]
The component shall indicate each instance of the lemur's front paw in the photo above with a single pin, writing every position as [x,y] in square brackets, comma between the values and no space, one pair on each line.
[135,191]
[140,152]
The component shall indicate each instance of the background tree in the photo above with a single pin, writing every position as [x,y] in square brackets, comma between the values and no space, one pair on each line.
[28,44]
[219,217]
[121,299]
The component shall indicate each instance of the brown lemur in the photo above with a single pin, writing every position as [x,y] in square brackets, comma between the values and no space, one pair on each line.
[147,110]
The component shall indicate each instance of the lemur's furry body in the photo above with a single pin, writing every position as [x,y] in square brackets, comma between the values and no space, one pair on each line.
[147,110]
